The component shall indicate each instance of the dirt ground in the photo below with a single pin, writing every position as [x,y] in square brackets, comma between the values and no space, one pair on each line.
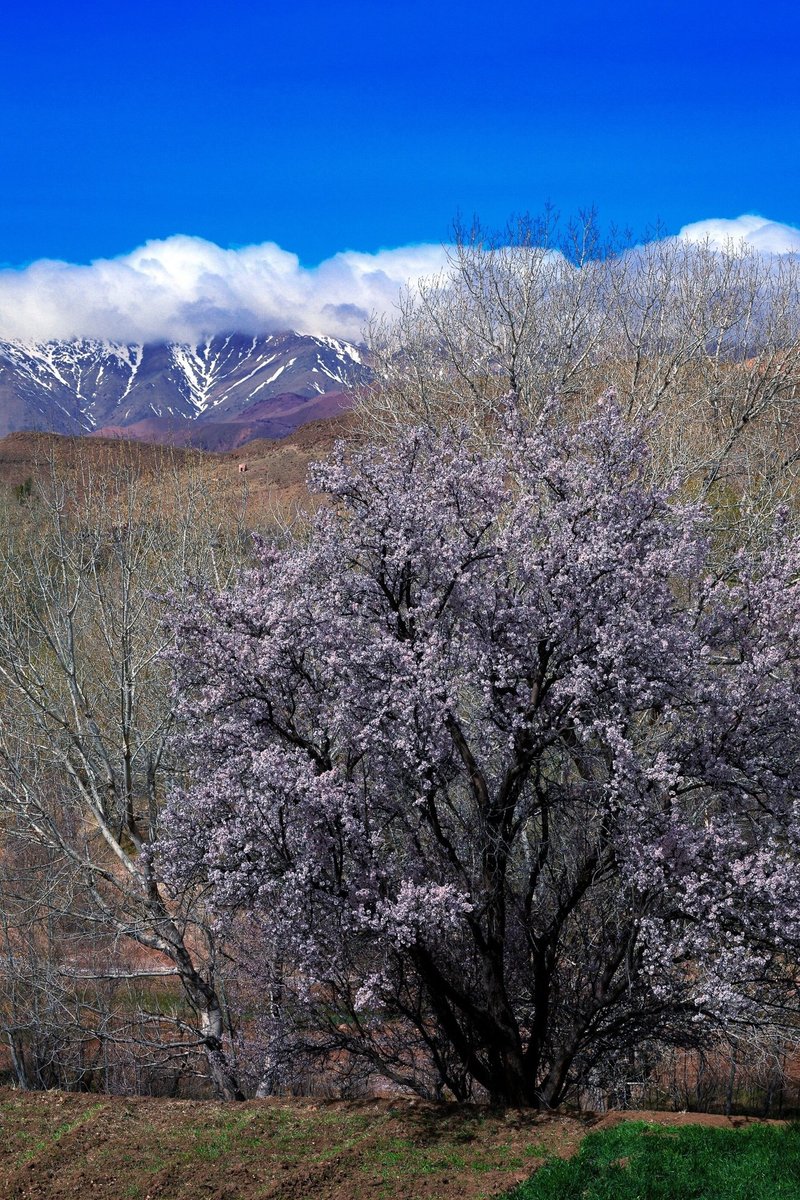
[61,1146]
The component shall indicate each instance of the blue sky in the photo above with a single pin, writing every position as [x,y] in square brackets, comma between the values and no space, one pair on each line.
[354,125]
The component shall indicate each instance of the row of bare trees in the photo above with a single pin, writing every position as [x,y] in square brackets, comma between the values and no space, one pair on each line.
[103,977]
[703,340]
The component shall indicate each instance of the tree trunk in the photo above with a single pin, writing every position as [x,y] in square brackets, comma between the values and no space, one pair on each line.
[222,1072]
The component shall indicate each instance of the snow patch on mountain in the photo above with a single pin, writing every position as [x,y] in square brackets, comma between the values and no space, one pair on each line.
[81,384]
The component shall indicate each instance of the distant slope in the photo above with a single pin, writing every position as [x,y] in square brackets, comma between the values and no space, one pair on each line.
[275,479]
[273,418]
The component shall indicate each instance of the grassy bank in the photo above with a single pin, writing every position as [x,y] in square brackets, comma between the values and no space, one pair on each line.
[639,1161]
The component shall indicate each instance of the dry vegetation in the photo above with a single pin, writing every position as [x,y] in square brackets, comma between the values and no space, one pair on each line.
[275,477]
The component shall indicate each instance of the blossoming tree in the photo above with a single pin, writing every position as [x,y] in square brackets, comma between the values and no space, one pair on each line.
[502,776]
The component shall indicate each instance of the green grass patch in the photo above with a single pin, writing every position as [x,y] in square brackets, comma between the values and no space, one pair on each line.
[295,1136]
[55,1136]
[400,1158]
[397,1159]
[639,1161]
[211,1144]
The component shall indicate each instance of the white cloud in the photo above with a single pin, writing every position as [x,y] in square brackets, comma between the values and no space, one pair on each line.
[767,237]
[183,288]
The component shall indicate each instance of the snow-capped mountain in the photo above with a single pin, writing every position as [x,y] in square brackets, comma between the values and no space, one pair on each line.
[81,386]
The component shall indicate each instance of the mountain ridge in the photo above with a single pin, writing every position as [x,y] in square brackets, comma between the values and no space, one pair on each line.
[245,385]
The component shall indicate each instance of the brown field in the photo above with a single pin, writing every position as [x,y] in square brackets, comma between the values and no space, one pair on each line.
[60,1146]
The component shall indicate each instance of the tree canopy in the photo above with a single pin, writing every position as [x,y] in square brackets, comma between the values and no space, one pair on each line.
[500,776]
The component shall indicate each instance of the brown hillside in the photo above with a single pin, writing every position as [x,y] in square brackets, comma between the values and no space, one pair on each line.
[275,479]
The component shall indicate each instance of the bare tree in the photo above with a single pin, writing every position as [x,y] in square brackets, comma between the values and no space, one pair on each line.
[703,340]
[85,724]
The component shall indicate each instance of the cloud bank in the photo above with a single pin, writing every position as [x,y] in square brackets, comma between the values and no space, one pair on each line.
[767,237]
[185,288]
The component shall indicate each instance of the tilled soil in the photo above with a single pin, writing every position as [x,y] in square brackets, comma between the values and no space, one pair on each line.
[62,1146]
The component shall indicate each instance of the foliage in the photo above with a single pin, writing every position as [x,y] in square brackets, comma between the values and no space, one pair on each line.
[23,491]
[637,1161]
[505,781]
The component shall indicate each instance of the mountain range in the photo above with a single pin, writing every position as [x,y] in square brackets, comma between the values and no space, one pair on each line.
[217,395]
